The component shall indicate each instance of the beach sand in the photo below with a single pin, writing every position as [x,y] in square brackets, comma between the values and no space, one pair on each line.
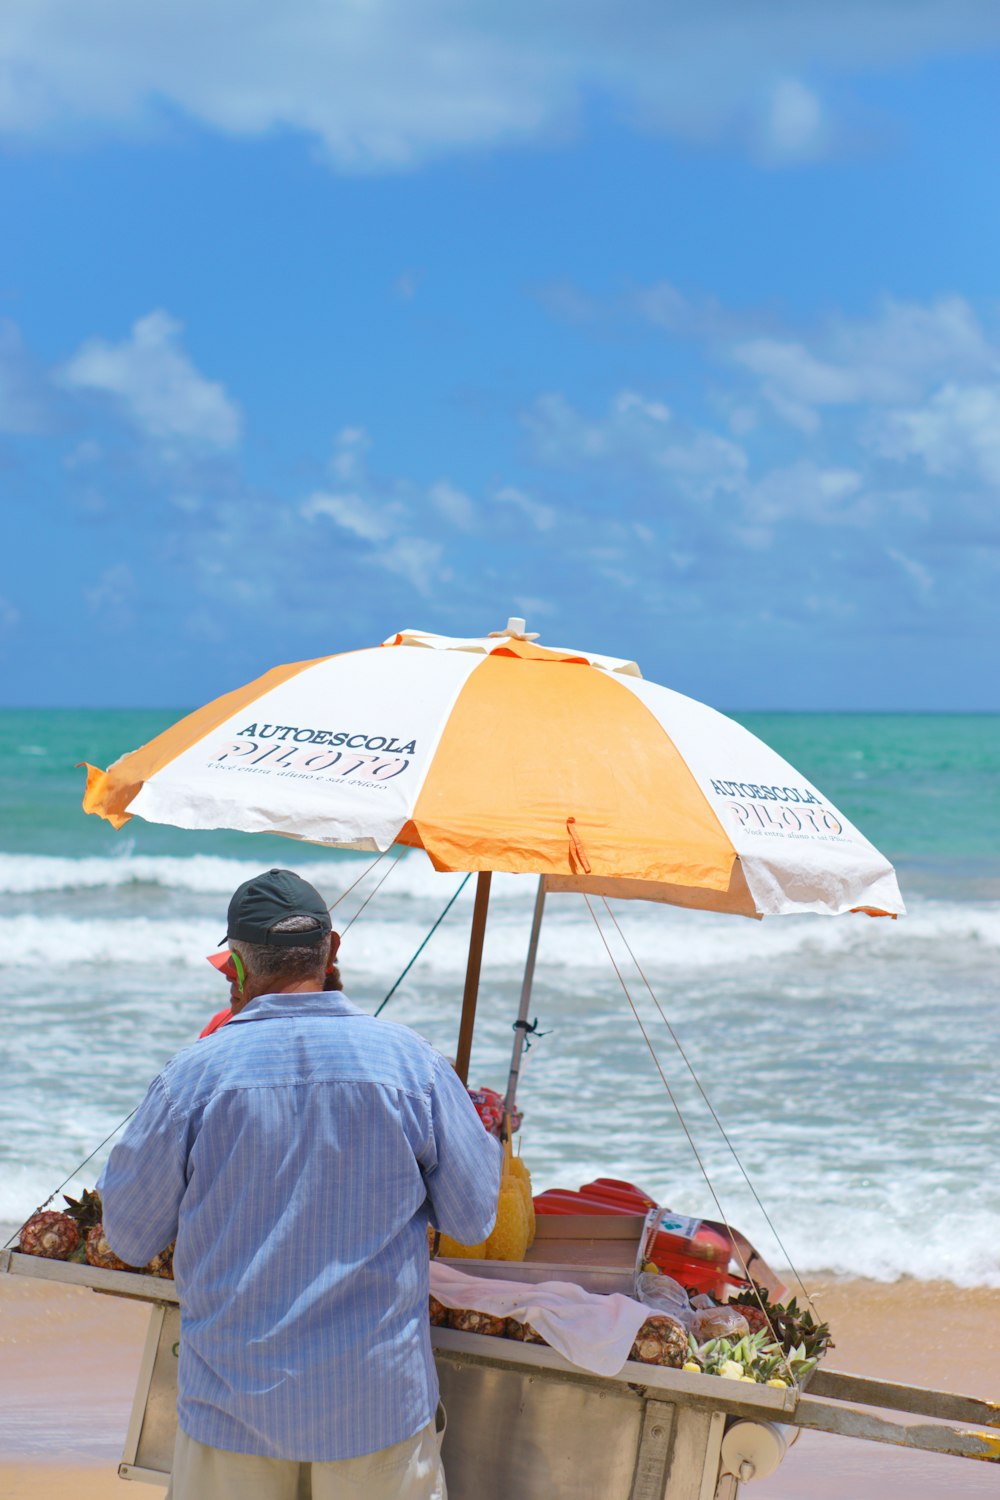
[68,1362]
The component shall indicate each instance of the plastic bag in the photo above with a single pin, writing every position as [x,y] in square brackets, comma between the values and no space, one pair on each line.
[718,1323]
[664,1295]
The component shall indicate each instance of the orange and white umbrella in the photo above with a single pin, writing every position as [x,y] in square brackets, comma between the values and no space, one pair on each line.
[496,753]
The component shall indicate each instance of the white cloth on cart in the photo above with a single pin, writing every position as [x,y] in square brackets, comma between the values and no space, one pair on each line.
[591,1330]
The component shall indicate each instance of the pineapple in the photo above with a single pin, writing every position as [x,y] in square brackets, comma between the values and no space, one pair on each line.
[162,1264]
[467,1320]
[523,1332]
[660,1341]
[52,1235]
[100,1253]
[792,1328]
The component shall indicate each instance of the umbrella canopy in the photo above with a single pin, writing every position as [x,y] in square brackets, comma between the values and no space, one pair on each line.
[496,753]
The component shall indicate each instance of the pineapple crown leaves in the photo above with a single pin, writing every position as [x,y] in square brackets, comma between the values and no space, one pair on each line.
[756,1353]
[85,1211]
[793,1325]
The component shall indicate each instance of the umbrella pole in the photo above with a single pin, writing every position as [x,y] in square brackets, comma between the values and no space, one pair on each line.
[464,1051]
[520,1025]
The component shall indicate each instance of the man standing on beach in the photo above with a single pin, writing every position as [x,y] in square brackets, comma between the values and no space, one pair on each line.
[298,1161]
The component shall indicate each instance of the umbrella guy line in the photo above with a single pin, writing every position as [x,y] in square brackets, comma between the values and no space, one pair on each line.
[451,902]
[66,1180]
[711,1107]
[366,871]
[684,1125]
[374,890]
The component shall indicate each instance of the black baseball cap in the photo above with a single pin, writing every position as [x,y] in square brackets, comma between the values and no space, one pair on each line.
[259,904]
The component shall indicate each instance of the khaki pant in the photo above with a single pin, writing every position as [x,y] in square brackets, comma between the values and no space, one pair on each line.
[410,1470]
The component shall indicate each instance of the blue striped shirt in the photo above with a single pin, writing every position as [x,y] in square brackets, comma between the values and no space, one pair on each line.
[297,1156]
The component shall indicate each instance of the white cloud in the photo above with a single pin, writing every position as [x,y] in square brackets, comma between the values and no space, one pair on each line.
[349,449]
[806,491]
[530,606]
[84,455]
[453,505]
[154,384]
[881,361]
[24,401]
[794,127]
[417,560]
[542,517]
[695,463]
[383,517]
[10,615]
[663,305]
[386,83]
[114,592]
[956,432]
[352,513]
[405,285]
[917,572]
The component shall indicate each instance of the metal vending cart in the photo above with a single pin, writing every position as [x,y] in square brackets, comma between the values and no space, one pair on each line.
[523,1421]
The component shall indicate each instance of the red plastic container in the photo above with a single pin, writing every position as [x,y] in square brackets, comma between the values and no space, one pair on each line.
[607,1190]
[690,1251]
[564,1201]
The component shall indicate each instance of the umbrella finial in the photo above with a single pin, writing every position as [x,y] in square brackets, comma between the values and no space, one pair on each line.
[515,631]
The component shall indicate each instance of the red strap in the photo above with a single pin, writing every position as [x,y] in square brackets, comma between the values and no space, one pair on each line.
[216,1021]
[578,849]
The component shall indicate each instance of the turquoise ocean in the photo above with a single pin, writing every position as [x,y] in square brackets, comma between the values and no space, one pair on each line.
[855,1063]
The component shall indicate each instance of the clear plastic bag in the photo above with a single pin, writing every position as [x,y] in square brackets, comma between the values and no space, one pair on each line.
[718,1323]
[663,1294]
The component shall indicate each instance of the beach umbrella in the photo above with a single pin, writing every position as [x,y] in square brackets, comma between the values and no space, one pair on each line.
[497,753]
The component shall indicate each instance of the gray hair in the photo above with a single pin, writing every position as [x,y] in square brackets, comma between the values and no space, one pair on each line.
[267,964]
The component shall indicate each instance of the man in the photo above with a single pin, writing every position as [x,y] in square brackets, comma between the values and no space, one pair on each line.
[298,1161]
[223,964]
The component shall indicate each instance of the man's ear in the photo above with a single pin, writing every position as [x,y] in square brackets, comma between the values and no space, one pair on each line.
[334,948]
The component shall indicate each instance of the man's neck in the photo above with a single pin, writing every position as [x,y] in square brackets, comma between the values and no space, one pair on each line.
[303,987]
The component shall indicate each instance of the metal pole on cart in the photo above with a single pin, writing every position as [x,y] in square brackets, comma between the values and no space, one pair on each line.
[521,1024]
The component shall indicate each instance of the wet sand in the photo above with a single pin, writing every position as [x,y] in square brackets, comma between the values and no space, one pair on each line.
[68,1362]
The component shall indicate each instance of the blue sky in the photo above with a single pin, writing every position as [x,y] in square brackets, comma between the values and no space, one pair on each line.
[675,330]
